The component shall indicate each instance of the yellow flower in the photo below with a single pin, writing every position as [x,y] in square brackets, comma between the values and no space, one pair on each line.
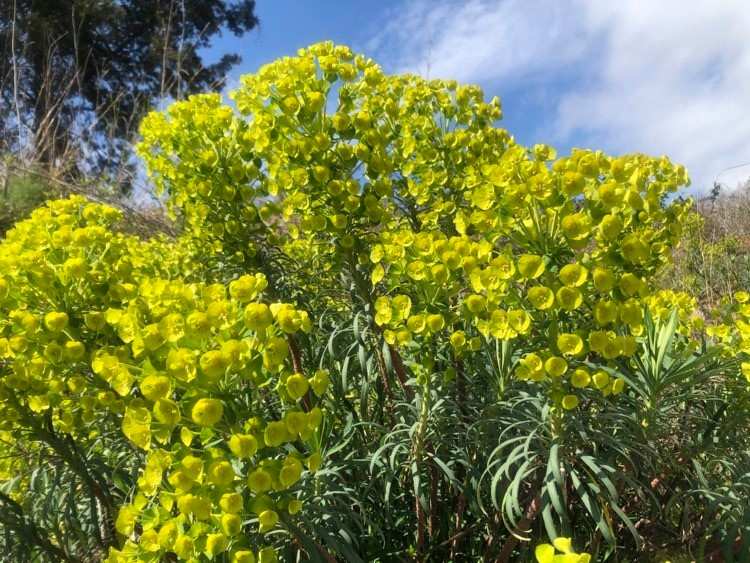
[580,378]
[56,321]
[604,280]
[231,503]
[259,481]
[475,303]
[555,366]
[267,520]
[154,387]
[530,266]
[257,316]
[220,473]
[213,364]
[297,385]
[231,524]
[605,312]
[215,544]
[243,445]
[573,275]
[541,297]
[458,340]
[275,434]
[290,472]
[569,344]
[243,556]
[569,402]
[635,249]
[207,412]
[569,298]
[601,379]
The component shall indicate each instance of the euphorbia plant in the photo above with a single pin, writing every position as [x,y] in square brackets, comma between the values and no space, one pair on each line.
[379,233]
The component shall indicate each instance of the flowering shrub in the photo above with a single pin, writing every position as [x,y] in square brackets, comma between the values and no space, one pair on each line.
[485,315]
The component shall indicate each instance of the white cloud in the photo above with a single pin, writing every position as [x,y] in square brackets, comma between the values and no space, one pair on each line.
[476,40]
[663,77]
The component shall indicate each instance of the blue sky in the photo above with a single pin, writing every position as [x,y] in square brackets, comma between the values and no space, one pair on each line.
[662,77]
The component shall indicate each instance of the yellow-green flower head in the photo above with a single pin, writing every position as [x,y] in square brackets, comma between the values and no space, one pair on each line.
[569,344]
[576,227]
[243,445]
[181,364]
[555,366]
[573,275]
[458,340]
[610,227]
[192,466]
[166,411]
[231,503]
[541,297]
[530,266]
[247,287]
[259,481]
[289,319]
[155,387]
[570,402]
[207,412]
[195,505]
[213,364]
[56,321]
[296,422]
[519,320]
[275,434]
[630,284]
[320,381]
[604,279]
[267,520]
[416,323]
[220,473]
[314,462]
[605,312]
[267,555]
[580,378]
[290,472]
[618,386]
[231,524]
[297,385]
[257,316]
[635,249]
[569,298]
[601,379]
[243,556]
[631,312]
[215,544]
[184,547]
[74,350]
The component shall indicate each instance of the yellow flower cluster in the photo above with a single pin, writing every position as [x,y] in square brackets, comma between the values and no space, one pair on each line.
[444,225]
[559,551]
[97,325]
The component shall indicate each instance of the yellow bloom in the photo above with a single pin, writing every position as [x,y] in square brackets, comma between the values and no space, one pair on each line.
[573,275]
[569,298]
[297,385]
[580,378]
[569,402]
[530,266]
[259,481]
[555,366]
[243,445]
[56,321]
[569,344]
[207,412]
[541,297]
